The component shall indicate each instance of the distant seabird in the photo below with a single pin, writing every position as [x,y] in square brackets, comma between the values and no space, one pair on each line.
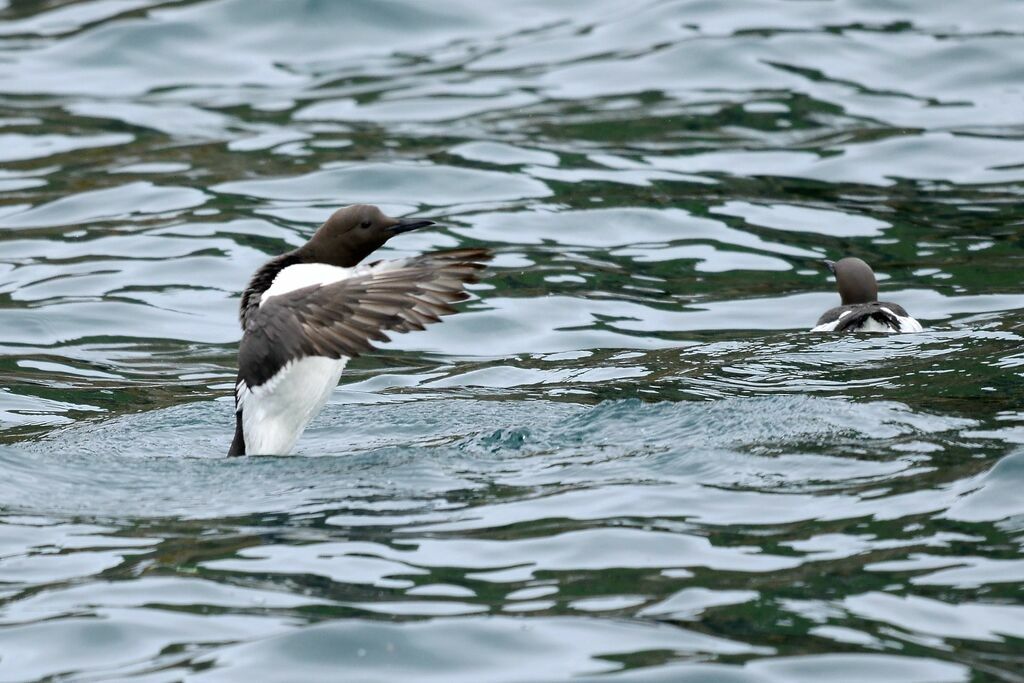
[307,312]
[861,311]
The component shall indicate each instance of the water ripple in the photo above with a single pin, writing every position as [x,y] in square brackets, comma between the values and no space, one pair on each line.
[625,456]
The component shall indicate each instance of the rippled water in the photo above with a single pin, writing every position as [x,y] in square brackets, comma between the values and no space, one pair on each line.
[625,458]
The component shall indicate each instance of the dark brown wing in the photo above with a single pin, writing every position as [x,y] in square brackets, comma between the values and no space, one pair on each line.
[344,318]
[832,315]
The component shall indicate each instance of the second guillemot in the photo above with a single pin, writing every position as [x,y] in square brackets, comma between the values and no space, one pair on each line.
[307,312]
[861,311]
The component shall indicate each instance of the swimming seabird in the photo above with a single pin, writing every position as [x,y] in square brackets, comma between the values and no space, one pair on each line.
[306,313]
[861,311]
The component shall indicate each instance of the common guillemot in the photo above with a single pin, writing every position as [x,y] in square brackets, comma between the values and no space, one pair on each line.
[307,312]
[861,311]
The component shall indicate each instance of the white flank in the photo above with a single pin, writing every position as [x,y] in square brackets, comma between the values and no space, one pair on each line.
[907,324]
[275,413]
[831,327]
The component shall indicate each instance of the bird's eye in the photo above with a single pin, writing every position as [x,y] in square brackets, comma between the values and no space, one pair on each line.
[365,224]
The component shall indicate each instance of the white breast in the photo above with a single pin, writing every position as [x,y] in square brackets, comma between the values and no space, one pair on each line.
[275,413]
[304,275]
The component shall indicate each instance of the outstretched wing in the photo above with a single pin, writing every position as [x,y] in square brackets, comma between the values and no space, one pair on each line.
[344,317]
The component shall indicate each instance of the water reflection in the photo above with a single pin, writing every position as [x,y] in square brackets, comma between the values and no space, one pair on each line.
[625,456]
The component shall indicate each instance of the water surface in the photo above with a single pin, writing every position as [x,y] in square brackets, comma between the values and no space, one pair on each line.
[624,458]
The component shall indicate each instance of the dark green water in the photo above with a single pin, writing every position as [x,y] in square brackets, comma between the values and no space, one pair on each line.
[625,458]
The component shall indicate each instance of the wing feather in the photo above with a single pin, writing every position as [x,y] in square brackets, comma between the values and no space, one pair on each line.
[344,318]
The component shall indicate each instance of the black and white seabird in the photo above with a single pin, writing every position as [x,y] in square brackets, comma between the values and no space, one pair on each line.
[307,312]
[861,311]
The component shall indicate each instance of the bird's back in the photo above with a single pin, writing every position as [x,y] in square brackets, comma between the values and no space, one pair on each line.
[874,316]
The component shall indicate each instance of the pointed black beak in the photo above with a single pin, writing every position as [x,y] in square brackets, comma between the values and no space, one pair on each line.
[407,224]
[831,265]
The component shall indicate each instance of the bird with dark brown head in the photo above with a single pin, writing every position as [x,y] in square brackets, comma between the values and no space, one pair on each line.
[855,280]
[860,309]
[354,232]
[306,313]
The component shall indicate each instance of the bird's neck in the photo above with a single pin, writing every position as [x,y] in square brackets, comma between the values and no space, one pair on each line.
[262,279]
[339,255]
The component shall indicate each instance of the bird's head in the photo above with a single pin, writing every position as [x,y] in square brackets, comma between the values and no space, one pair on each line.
[855,280]
[354,232]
